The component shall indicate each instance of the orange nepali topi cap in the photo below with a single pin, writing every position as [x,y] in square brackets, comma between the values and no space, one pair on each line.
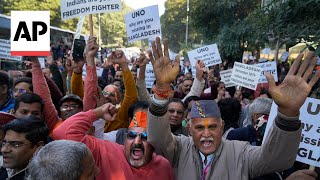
[140,119]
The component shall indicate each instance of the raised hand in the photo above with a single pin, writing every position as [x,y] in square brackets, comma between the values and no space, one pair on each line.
[295,88]
[92,48]
[164,71]
[142,61]
[118,57]
[107,112]
[77,66]
[200,68]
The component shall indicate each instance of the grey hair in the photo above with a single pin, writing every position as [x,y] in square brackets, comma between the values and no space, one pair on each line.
[59,160]
[261,105]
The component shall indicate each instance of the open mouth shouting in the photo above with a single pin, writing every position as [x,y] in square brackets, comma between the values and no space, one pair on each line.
[137,152]
[206,142]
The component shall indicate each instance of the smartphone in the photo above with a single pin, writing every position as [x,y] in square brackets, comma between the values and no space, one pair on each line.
[78,49]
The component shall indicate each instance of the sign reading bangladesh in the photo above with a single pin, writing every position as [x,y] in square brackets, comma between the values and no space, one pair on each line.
[245,75]
[308,151]
[143,24]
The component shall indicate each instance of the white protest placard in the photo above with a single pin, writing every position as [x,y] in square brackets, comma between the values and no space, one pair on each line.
[208,54]
[150,77]
[270,67]
[30,33]
[308,151]
[5,51]
[284,56]
[245,75]
[74,8]
[99,71]
[266,51]
[143,24]
[42,62]
[225,77]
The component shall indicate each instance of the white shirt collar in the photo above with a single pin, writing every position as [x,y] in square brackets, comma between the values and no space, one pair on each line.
[209,159]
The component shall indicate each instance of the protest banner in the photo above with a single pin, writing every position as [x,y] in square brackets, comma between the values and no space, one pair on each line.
[245,75]
[74,8]
[208,54]
[284,56]
[150,77]
[270,67]
[5,47]
[143,24]
[42,62]
[308,151]
[225,77]
[30,33]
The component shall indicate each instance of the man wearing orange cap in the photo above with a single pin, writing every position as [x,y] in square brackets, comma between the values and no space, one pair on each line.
[205,155]
[134,160]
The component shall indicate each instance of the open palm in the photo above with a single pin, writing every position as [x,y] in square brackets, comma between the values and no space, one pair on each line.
[164,71]
[293,91]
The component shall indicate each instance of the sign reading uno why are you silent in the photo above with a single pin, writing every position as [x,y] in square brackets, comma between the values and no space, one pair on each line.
[143,23]
[75,8]
[308,151]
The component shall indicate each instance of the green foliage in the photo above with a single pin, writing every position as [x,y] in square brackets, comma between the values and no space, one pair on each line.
[173,23]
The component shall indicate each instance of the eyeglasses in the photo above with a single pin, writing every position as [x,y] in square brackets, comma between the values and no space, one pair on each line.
[15,90]
[133,135]
[108,93]
[171,111]
[12,144]
[66,107]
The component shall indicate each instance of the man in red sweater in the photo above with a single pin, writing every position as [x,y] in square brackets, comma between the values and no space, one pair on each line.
[134,160]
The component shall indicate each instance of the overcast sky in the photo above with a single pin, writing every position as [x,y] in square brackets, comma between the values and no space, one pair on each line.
[136,4]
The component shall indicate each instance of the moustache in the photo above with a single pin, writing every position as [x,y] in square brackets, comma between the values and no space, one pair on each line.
[206,139]
[137,146]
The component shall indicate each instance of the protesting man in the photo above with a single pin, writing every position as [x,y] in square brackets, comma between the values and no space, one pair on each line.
[22,138]
[63,159]
[205,155]
[134,160]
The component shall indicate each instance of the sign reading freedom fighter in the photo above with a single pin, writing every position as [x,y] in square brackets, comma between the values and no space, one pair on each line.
[75,8]
[226,76]
[308,151]
[5,51]
[270,67]
[208,54]
[245,75]
[143,23]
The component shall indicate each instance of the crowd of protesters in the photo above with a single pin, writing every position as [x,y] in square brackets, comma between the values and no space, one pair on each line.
[59,124]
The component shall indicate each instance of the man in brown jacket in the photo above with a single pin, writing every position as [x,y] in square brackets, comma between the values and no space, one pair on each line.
[205,155]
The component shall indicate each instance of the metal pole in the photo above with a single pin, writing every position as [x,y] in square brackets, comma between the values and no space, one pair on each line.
[99,38]
[187,24]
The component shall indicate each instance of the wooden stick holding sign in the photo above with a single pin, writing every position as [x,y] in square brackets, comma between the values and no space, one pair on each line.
[312,168]
[91,25]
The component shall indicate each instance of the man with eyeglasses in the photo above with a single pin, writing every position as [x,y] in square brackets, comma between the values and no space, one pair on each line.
[176,114]
[134,160]
[70,105]
[22,139]
[22,85]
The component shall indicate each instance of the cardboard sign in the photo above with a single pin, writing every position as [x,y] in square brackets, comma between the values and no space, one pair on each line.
[245,75]
[74,8]
[150,77]
[42,62]
[143,24]
[270,67]
[310,139]
[5,51]
[284,56]
[208,54]
[30,33]
[226,76]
